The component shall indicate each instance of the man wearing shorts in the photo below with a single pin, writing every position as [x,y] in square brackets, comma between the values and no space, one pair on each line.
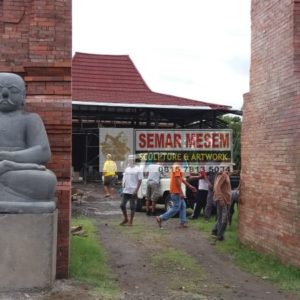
[109,174]
[153,172]
[132,180]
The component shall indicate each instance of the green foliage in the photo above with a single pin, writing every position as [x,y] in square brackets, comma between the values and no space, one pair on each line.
[235,123]
[262,265]
[88,260]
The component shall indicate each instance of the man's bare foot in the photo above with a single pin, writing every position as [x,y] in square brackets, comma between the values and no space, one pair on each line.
[158,220]
[183,225]
[124,222]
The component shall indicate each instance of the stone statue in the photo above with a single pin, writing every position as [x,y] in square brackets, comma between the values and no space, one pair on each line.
[26,186]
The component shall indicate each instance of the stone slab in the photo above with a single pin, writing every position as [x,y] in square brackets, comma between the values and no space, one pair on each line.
[8,207]
[27,251]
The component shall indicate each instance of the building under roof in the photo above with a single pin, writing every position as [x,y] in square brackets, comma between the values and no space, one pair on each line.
[109,91]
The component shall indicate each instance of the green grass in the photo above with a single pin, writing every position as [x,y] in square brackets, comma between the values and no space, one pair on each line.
[88,261]
[140,232]
[265,266]
[182,268]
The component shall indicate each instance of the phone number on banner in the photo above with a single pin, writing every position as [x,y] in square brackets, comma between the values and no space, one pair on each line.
[197,169]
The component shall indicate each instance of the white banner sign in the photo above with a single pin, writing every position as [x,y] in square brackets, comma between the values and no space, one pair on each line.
[183,140]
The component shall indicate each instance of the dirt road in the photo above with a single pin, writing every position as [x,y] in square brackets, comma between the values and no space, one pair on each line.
[133,252]
[143,260]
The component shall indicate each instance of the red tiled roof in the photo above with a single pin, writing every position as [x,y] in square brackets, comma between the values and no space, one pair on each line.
[115,79]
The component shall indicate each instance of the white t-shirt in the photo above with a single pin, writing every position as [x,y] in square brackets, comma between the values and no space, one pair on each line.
[131,177]
[203,184]
[154,172]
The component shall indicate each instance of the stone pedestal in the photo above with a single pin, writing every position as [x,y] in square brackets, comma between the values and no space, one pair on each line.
[27,251]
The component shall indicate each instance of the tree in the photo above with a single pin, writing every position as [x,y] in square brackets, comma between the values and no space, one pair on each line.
[235,123]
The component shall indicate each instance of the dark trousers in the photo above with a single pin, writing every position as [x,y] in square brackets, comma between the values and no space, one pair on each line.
[234,200]
[222,218]
[201,199]
[210,205]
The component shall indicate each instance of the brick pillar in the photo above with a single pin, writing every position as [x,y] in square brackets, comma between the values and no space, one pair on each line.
[270,192]
[35,42]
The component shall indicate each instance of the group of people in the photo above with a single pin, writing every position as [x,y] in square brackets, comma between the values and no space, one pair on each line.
[28,153]
[211,191]
[218,191]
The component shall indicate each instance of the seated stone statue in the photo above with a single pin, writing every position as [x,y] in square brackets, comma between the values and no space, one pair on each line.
[26,186]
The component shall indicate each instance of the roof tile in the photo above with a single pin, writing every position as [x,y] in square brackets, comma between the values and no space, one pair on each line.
[115,79]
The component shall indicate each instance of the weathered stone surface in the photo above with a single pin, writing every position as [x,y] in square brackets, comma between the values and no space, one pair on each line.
[36,43]
[27,251]
[24,151]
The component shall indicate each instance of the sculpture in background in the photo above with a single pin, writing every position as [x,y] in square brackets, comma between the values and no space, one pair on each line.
[25,183]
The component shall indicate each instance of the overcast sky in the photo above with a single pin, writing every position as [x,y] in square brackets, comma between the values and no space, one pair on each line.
[197,49]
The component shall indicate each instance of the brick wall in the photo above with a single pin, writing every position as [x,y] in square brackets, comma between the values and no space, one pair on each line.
[35,42]
[270,192]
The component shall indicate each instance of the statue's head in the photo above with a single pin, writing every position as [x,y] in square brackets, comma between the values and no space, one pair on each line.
[12,92]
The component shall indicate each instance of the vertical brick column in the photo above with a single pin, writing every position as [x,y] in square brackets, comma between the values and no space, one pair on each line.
[35,42]
[270,192]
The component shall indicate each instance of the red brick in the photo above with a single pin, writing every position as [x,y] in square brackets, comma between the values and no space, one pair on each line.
[270,186]
[35,42]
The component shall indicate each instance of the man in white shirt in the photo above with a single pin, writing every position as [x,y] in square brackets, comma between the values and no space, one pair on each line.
[132,179]
[154,171]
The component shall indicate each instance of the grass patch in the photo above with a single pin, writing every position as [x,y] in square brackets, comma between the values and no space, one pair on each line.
[183,269]
[139,228]
[88,261]
[262,265]
[136,230]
